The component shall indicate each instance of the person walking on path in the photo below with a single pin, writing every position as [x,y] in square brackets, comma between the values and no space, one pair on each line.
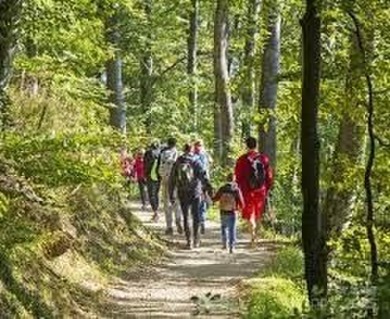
[254,178]
[139,170]
[230,200]
[204,159]
[127,167]
[166,161]
[152,177]
[190,180]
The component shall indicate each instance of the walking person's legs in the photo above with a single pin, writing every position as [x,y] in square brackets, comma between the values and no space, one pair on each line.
[250,216]
[178,217]
[258,211]
[232,225]
[141,187]
[167,207]
[185,208]
[195,220]
[224,227]
[202,215]
[153,197]
[149,189]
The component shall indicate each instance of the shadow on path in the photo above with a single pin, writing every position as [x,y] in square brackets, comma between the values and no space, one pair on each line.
[201,282]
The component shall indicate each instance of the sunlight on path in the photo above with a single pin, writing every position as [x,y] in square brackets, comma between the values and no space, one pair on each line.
[200,283]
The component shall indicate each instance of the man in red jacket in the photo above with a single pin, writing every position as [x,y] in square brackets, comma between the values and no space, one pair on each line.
[254,177]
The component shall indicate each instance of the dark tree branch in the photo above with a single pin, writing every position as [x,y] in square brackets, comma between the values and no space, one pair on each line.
[381,142]
[174,65]
[371,157]
[170,68]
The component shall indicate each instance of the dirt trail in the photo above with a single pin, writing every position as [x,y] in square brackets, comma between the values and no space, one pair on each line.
[200,283]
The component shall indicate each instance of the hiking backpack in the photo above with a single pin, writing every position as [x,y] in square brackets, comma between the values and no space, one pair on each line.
[227,201]
[257,174]
[168,158]
[185,174]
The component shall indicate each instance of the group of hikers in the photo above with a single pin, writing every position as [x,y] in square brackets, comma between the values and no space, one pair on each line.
[183,181]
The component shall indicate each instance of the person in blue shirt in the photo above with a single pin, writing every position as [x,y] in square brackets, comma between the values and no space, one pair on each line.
[203,158]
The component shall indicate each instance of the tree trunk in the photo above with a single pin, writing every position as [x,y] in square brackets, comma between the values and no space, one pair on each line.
[114,78]
[146,80]
[233,57]
[115,85]
[350,141]
[30,83]
[313,222]
[9,17]
[192,63]
[248,88]
[269,86]
[223,114]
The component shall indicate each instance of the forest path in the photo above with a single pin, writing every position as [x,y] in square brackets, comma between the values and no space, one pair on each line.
[198,283]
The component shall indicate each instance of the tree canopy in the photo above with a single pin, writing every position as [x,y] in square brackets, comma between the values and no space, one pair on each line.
[79,79]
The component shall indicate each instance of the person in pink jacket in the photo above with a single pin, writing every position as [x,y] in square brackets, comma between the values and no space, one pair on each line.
[139,172]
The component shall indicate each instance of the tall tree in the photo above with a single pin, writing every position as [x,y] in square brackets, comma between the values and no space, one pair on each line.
[313,222]
[223,112]
[146,79]
[249,84]
[192,43]
[269,84]
[114,75]
[10,11]
[349,144]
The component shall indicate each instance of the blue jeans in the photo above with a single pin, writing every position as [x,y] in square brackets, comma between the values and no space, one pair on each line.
[228,228]
[202,211]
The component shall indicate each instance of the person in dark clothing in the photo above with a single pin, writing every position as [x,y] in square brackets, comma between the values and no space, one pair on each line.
[190,180]
[152,177]
[230,199]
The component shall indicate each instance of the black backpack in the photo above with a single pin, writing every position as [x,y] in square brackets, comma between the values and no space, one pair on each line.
[257,174]
[185,174]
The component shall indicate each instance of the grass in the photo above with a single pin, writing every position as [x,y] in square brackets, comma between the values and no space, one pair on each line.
[277,291]
[273,297]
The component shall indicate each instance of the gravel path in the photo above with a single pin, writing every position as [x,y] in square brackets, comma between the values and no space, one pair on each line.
[200,283]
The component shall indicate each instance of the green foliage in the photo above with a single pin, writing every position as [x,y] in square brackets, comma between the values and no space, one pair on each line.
[65,159]
[59,141]
[274,298]
[3,204]
[278,292]
[89,222]
[287,263]
[118,239]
